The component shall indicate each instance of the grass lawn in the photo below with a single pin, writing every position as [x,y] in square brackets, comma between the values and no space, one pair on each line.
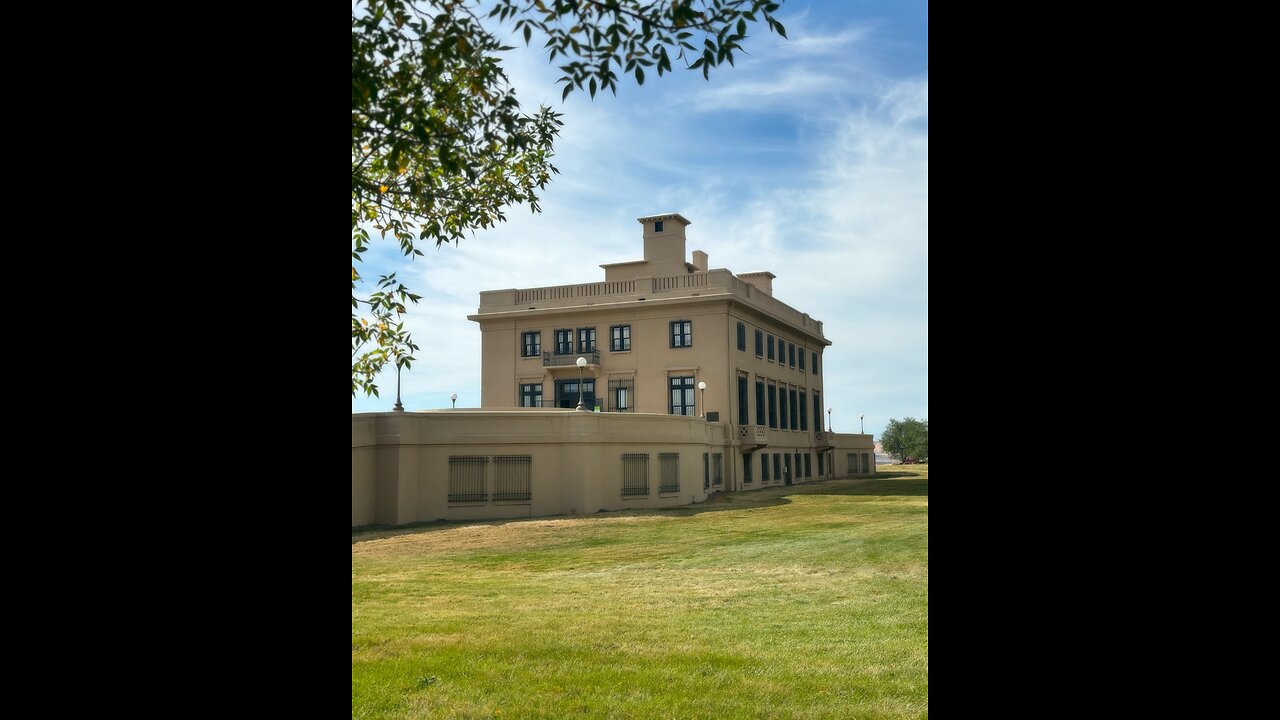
[810,601]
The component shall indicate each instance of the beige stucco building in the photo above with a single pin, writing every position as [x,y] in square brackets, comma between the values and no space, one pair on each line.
[651,334]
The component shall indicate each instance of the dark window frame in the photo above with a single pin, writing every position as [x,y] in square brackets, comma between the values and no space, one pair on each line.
[533,349]
[587,344]
[682,329]
[564,347]
[769,345]
[687,389]
[526,391]
[619,335]
[791,355]
[804,410]
[773,406]
[744,414]
[760,403]
[742,337]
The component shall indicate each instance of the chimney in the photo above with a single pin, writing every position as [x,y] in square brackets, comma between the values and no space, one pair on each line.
[700,260]
[664,244]
[762,281]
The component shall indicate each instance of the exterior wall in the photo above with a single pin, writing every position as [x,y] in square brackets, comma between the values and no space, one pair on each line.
[400,461]
[846,444]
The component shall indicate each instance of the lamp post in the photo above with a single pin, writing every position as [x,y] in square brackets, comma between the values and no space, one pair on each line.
[454,399]
[861,430]
[582,362]
[828,419]
[703,387]
[398,407]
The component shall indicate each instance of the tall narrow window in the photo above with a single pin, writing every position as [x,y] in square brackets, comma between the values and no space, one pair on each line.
[717,468]
[801,359]
[742,336]
[764,467]
[622,395]
[531,344]
[635,474]
[746,468]
[564,342]
[681,333]
[773,406]
[770,346]
[804,410]
[759,343]
[620,337]
[531,395]
[706,471]
[820,470]
[793,424]
[682,396]
[760,403]
[743,417]
[782,407]
[777,467]
[808,467]
[669,466]
[817,413]
[814,365]
[586,339]
[791,354]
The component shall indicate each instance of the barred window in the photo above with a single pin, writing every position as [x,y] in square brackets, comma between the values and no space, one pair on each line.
[622,394]
[635,474]
[853,463]
[670,466]
[746,468]
[717,469]
[466,478]
[512,477]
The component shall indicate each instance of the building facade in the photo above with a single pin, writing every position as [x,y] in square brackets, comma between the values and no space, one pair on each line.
[651,334]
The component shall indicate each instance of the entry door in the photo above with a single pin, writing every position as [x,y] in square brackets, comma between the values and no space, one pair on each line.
[567,393]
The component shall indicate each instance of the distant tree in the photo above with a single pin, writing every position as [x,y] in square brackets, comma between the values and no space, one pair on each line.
[439,144]
[906,438]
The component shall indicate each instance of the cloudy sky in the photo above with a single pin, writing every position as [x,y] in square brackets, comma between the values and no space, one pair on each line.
[809,159]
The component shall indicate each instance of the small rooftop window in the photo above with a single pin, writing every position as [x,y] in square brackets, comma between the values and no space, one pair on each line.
[657,226]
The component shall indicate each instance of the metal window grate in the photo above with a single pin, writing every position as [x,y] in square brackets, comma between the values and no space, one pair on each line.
[622,395]
[635,474]
[466,478]
[717,469]
[853,464]
[669,464]
[512,477]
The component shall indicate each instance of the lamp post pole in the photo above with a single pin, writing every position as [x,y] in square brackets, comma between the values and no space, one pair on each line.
[828,419]
[582,363]
[454,399]
[861,430]
[398,407]
[703,387]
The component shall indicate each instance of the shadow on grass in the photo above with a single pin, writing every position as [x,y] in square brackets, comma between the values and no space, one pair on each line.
[884,483]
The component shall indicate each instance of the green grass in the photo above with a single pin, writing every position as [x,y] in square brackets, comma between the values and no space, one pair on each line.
[809,601]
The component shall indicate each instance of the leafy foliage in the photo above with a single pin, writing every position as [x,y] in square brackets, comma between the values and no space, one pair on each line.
[439,144]
[906,438]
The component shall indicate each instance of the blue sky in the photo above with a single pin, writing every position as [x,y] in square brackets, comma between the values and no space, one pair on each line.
[809,159]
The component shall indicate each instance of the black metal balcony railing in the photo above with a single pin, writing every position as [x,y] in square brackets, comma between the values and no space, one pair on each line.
[553,359]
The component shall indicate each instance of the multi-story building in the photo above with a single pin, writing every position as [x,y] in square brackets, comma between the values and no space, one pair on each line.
[651,335]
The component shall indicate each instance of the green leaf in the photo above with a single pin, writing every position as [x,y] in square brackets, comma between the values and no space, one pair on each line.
[639,76]
[777,26]
[568,88]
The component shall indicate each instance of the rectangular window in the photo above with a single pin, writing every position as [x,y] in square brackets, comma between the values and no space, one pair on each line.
[764,467]
[777,467]
[820,456]
[564,342]
[531,344]
[770,348]
[801,359]
[657,226]
[798,467]
[466,478]
[717,469]
[782,407]
[568,393]
[682,396]
[622,394]
[586,339]
[742,336]
[635,474]
[773,406]
[681,333]
[743,416]
[852,462]
[759,343]
[814,365]
[512,476]
[793,424]
[620,337]
[787,477]
[759,403]
[791,354]
[706,471]
[531,395]
[804,410]
[746,468]
[817,413]
[808,467]
[669,466]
